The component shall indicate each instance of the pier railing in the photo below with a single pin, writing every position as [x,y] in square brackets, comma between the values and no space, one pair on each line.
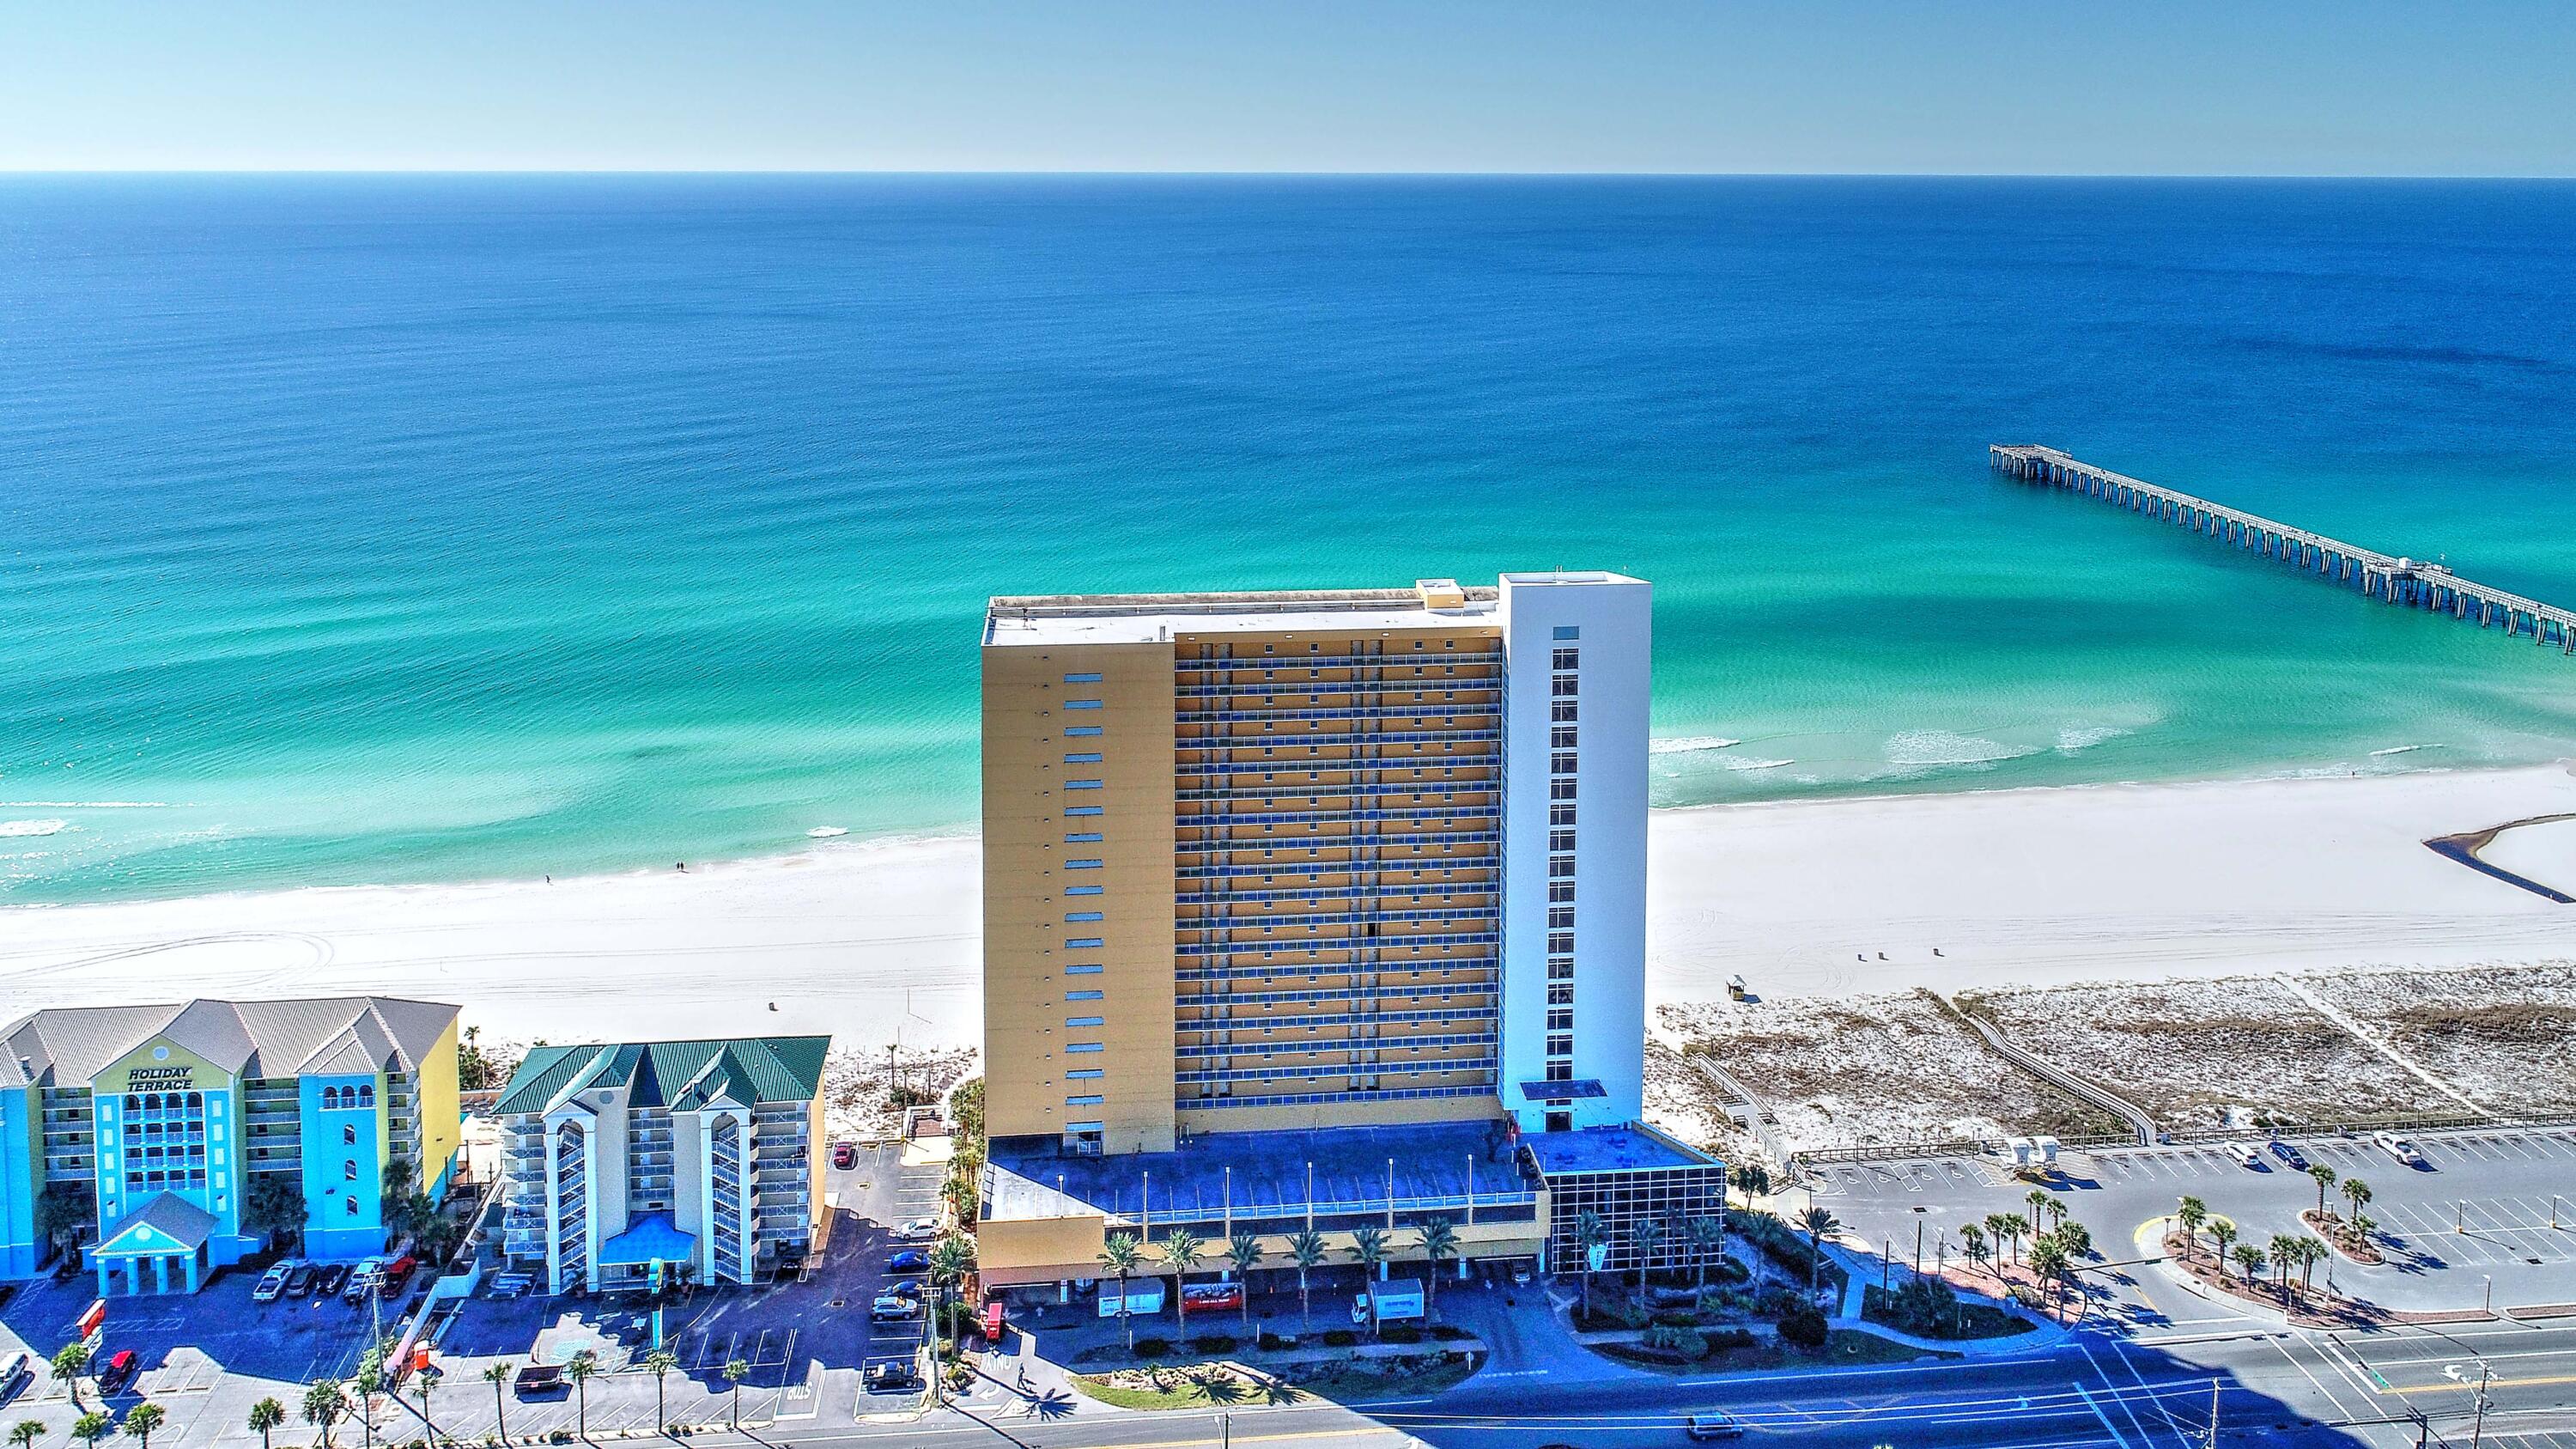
[2388,577]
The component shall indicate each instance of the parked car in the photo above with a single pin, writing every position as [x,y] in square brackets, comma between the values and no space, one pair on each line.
[299,1280]
[845,1155]
[890,1309]
[1712,1424]
[910,1260]
[2398,1147]
[15,1375]
[918,1229]
[121,1368]
[2290,1156]
[905,1288]
[2245,1155]
[273,1282]
[395,1274]
[538,1378]
[332,1278]
[362,1280]
[887,1375]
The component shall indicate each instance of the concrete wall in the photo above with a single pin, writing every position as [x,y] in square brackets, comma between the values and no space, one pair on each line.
[1028,967]
[1613,617]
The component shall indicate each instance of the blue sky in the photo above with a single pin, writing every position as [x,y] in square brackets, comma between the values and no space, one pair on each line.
[2457,87]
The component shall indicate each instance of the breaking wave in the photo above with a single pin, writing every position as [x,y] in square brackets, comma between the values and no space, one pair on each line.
[32,827]
[1689,743]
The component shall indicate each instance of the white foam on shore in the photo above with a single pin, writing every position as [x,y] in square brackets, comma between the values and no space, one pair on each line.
[1940,749]
[2402,750]
[33,827]
[2071,740]
[827,832]
[1737,762]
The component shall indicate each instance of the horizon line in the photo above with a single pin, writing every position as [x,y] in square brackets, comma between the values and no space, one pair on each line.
[1274,174]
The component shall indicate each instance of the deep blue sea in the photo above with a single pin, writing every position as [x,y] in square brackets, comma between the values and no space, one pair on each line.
[415,529]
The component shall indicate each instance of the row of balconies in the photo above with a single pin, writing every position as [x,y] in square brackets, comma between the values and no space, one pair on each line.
[1342,1046]
[1364,1075]
[1472,970]
[1466,893]
[1231,948]
[1311,766]
[1485,651]
[1272,920]
[1214,1000]
[1222,1025]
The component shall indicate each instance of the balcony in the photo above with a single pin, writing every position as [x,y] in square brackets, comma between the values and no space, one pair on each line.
[1407,658]
[1445,1066]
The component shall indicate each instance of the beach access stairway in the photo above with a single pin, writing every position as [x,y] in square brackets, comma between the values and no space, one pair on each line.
[2139,1122]
[2387,577]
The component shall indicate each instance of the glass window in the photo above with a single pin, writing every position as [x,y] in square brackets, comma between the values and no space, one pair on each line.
[1084,1021]
[1563,687]
[1072,758]
[1082,865]
[1084,916]
[1084,1074]
[1560,890]
[1562,737]
[1560,789]
[1561,763]
[1083,943]
[1080,837]
[1083,995]
[1569,631]
[1082,704]
[1562,711]
[1081,731]
[348,1134]
[1082,679]
[1561,815]
[1569,659]
[1082,1101]
[1089,968]
[1084,1046]
[1082,810]
[1084,890]
[1081,785]
[1560,918]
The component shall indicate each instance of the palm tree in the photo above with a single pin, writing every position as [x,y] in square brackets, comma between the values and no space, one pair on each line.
[1707,1235]
[1243,1254]
[2074,1237]
[1590,1233]
[659,1363]
[2014,1228]
[92,1427]
[2190,1216]
[69,1360]
[421,1385]
[265,1416]
[141,1420]
[369,1378]
[2285,1256]
[498,1375]
[1972,1241]
[1996,1224]
[2040,1202]
[1646,1235]
[1182,1250]
[583,1365]
[2222,1232]
[1306,1250]
[1818,1224]
[735,1371]
[2356,1192]
[2048,1262]
[324,1402]
[1368,1249]
[1120,1254]
[2325,1177]
[2249,1258]
[951,1259]
[2312,1251]
[26,1433]
[1439,1243]
[1751,1179]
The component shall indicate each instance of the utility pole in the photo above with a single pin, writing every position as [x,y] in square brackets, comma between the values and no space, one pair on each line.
[2478,1429]
[2212,1441]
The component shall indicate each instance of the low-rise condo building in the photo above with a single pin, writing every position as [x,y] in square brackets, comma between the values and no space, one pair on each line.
[626,1162]
[188,1135]
[1309,909]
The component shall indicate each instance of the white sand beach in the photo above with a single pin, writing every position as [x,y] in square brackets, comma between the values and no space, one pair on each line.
[865,939]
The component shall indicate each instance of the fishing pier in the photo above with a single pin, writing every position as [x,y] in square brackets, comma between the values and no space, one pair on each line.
[2411,583]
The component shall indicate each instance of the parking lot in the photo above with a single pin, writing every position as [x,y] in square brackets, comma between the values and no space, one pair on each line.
[2497,1186]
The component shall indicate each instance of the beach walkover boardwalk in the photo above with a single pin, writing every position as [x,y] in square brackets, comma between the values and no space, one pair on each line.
[2407,581]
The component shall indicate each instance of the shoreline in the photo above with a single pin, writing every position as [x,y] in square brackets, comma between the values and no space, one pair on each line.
[2027,885]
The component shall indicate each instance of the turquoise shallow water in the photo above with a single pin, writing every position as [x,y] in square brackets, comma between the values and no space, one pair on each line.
[436,528]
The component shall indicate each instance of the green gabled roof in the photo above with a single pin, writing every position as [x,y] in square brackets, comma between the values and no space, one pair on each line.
[683,1075]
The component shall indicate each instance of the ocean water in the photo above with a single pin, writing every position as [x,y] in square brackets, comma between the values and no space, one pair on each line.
[418,529]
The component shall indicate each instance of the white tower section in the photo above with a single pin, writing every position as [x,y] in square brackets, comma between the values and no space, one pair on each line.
[1577,664]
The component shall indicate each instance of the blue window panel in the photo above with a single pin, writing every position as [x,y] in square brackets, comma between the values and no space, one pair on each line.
[1085,1021]
[1569,631]
[1081,731]
[1081,1126]
[1083,943]
[1082,784]
[1083,995]
[1082,704]
[1083,1074]
[1082,865]
[1084,890]
[1089,968]
[1082,810]
[1084,1046]
[1082,679]
[1083,916]
[1075,759]
[1082,1101]
[1080,837]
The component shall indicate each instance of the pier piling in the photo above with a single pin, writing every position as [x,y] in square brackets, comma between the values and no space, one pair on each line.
[2391,579]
